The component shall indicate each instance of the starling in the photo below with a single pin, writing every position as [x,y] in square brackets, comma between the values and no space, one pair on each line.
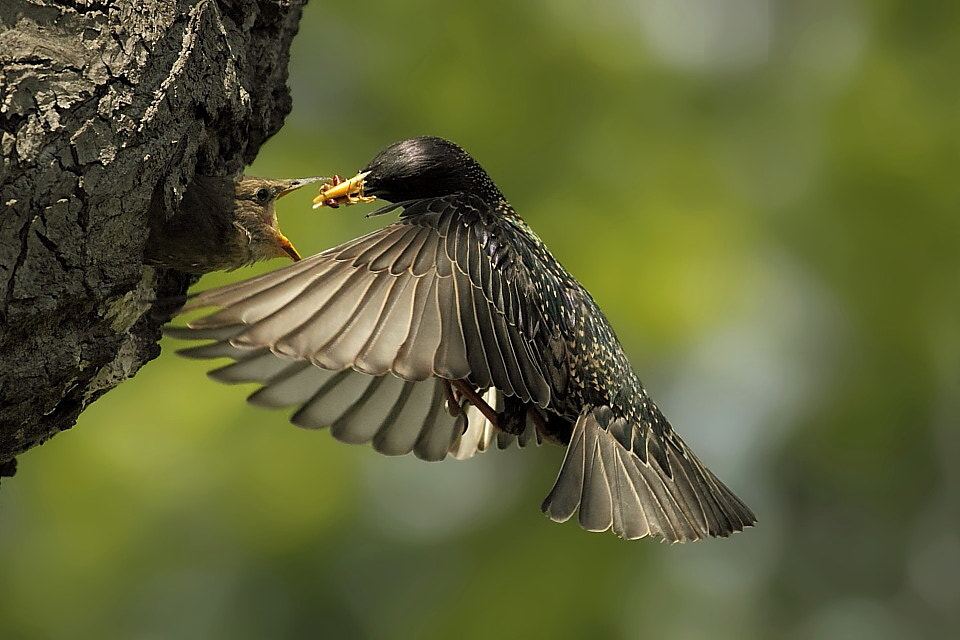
[450,329]
[222,223]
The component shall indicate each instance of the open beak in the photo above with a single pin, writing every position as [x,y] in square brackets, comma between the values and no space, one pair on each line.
[285,245]
[341,191]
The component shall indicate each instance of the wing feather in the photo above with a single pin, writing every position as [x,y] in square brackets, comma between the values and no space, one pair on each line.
[361,422]
[413,361]
[480,370]
[344,348]
[451,360]
[348,335]
[386,338]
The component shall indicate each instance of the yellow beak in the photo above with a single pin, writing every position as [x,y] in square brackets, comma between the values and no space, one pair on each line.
[288,247]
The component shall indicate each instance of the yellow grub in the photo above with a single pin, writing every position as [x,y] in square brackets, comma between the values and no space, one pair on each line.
[347,192]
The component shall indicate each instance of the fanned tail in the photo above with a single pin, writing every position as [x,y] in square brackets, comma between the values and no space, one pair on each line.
[625,477]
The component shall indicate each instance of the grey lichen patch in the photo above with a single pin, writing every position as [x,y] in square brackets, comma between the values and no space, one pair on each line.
[6,145]
[91,143]
[122,312]
[125,364]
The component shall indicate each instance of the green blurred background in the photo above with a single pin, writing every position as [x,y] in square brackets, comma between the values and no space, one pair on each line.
[763,198]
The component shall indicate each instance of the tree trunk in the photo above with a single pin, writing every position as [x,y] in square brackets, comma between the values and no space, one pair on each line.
[106,107]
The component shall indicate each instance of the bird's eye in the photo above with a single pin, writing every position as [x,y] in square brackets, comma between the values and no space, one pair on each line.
[263,194]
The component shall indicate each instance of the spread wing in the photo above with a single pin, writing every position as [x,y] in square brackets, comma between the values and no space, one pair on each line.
[358,335]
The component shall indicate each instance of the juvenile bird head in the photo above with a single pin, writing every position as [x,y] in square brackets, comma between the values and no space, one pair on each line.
[221,223]
[424,167]
[256,216]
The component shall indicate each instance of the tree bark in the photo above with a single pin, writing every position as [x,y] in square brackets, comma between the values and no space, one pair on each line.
[106,107]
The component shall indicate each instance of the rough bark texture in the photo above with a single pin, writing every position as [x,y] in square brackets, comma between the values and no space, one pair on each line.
[105,106]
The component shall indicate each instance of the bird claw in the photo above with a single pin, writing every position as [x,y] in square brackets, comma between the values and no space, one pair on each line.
[474,398]
[452,402]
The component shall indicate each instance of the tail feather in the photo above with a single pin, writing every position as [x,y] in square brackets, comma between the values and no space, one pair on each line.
[677,499]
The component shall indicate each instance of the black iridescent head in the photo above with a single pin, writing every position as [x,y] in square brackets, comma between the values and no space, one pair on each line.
[426,167]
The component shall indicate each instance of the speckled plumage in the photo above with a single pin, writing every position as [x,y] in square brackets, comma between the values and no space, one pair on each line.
[460,296]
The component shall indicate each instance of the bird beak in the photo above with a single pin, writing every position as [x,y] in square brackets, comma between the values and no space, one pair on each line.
[302,182]
[287,246]
[342,191]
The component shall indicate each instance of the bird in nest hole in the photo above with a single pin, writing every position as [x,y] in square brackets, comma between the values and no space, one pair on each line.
[220,224]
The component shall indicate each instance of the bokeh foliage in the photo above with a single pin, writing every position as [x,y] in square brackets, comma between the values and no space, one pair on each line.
[763,198]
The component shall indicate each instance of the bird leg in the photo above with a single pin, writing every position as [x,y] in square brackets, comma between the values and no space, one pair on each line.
[513,418]
[546,426]
[552,427]
[453,402]
[537,418]
[481,404]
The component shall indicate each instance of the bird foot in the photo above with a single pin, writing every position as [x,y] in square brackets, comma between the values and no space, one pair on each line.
[453,402]
[471,395]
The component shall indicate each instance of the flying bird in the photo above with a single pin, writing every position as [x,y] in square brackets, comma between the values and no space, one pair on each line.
[454,328]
